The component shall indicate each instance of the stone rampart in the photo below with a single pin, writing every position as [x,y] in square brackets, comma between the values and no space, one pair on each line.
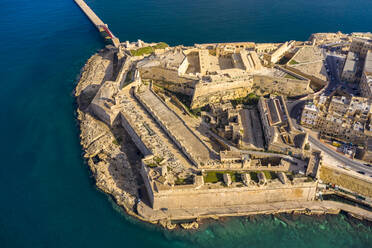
[282,85]
[313,79]
[176,82]
[205,197]
[103,104]
[133,134]
[123,72]
[206,93]
[346,179]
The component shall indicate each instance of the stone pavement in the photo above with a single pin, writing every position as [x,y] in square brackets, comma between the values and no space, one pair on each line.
[311,207]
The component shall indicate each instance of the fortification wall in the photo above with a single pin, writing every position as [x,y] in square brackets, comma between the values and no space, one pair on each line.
[191,145]
[225,197]
[102,105]
[285,86]
[167,130]
[356,183]
[313,79]
[136,139]
[145,176]
[206,93]
[101,113]
[171,79]
[186,88]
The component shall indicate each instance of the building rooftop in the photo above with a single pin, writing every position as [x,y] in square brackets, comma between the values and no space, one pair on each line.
[363,39]
[340,100]
[368,63]
[351,62]
[311,106]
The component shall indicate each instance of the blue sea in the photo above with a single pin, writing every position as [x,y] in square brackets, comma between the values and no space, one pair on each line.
[48,198]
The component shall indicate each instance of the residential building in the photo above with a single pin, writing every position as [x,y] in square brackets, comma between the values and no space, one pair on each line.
[350,67]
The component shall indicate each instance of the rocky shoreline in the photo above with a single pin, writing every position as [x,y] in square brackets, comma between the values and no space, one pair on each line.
[103,153]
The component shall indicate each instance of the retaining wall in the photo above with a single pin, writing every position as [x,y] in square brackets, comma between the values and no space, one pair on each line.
[346,179]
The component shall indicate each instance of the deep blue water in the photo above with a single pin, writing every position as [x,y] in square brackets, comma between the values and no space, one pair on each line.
[47,196]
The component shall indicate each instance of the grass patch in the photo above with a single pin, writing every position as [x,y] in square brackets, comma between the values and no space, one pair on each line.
[148,50]
[309,179]
[217,176]
[293,62]
[212,52]
[161,45]
[250,99]
[129,76]
[254,176]
[158,160]
[184,181]
[270,175]
[142,51]
[196,111]
[213,177]
[116,141]
[155,162]
[152,165]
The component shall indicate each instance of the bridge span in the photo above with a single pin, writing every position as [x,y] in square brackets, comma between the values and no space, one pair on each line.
[100,25]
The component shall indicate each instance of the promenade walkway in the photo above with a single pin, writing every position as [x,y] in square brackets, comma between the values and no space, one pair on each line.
[314,207]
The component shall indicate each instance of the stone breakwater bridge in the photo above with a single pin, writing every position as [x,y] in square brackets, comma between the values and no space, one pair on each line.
[100,25]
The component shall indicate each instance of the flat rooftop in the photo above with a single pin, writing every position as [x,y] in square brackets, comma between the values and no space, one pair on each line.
[368,63]
[351,62]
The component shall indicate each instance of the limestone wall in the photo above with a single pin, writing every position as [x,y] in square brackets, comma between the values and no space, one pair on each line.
[190,144]
[183,67]
[136,139]
[285,86]
[170,79]
[206,93]
[313,79]
[145,175]
[346,179]
[174,81]
[233,196]
[102,105]
[102,113]
[275,56]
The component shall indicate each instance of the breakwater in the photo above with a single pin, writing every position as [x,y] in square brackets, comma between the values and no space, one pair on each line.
[100,25]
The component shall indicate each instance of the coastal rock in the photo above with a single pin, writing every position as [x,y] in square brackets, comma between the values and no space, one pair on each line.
[167,224]
[105,155]
[98,69]
[192,225]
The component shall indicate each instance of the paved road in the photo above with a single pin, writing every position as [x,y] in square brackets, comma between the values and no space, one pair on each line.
[333,75]
[354,165]
[294,109]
